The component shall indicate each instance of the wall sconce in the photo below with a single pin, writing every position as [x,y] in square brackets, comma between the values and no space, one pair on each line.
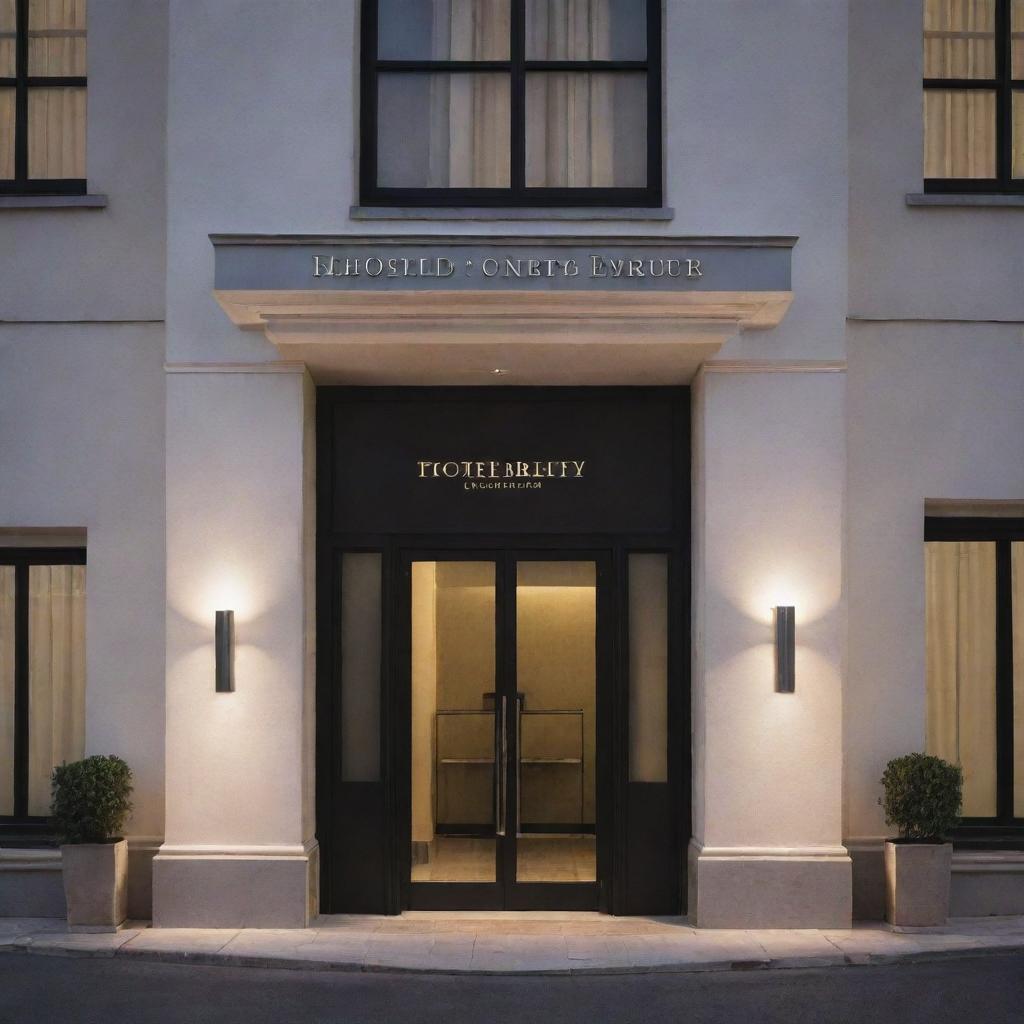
[785,648]
[224,650]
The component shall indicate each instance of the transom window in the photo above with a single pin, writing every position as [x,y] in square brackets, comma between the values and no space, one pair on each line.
[42,96]
[974,628]
[511,102]
[974,95]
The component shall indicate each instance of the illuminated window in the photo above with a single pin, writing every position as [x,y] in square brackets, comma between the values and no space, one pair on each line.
[974,628]
[42,96]
[974,95]
[511,102]
[42,676]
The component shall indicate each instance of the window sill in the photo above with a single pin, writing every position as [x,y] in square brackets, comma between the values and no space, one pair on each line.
[56,202]
[965,199]
[490,213]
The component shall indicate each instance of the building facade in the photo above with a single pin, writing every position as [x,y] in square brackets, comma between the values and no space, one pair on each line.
[503,366]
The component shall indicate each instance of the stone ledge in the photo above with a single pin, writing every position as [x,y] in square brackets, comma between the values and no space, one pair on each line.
[978,200]
[86,202]
[511,213]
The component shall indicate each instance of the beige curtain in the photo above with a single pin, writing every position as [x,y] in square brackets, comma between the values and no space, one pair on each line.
[1018,133]
[56,37]
[959,125]
[471,30]
[8,27]
[1017,583]
[1017,38]
[959,39]
[470,113]
[7,70]
[570,117]
[960,637]
[56,133]
[6,689]
[568,30]
[56,674]
[56,116]
[6,133]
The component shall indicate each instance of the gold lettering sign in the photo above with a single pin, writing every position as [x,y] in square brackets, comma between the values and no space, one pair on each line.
[501,474]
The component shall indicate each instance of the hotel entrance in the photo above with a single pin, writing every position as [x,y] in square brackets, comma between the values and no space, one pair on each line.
[506,701]
[503,718]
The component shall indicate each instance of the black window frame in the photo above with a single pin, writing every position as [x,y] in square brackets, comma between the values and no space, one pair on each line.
[1004,829]
[22,81]
[1004,86]
[517,194]
[21,826]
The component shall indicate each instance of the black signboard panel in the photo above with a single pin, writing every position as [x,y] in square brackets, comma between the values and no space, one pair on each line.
[503,460]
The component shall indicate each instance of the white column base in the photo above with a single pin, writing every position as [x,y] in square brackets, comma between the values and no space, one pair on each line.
[235,887]
[765,887]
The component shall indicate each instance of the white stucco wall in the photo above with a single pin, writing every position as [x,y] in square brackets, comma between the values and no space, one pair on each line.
[934,411]
[914,262]
[273,147]
[770,496]
[81,423]
[235,540]
[777,121]
[103,265]
[769,479]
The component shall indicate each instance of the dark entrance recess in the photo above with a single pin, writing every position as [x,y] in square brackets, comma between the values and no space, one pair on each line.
[511,490]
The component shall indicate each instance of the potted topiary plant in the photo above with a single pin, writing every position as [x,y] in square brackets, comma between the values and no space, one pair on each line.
[922,797]
[91,803]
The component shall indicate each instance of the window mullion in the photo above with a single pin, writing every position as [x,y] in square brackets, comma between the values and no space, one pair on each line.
[517,53]
[1004,111]
[21,92]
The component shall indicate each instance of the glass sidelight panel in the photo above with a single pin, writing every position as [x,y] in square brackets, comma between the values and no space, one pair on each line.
[360,666]
[555,730]
[454,768]
[6,689]
[648,668]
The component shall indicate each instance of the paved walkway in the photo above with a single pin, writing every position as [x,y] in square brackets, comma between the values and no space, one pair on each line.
[545,943]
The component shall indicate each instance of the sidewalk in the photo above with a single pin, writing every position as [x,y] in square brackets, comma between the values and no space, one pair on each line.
[546,943]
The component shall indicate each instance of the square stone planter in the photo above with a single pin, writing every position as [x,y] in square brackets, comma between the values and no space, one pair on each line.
[917,883]
[96,884]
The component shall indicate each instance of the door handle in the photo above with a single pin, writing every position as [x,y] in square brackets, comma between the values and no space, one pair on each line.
[501,757]
[519,763]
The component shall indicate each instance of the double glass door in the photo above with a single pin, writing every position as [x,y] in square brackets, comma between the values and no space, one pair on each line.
[504,700]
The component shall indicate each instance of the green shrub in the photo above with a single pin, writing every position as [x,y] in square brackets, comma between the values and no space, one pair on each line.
[91,799]
[922,796]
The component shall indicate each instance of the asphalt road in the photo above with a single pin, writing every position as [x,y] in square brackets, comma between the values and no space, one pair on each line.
[59,990]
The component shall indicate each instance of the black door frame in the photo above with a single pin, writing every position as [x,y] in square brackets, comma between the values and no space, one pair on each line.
[647,838]
[506,892]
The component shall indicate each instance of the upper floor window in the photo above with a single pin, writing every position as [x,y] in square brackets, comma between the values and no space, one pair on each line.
[511,102]
[974,636]
[42,96]
[974,95]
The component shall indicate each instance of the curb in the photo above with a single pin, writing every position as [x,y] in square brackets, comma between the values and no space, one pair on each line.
[25,946]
